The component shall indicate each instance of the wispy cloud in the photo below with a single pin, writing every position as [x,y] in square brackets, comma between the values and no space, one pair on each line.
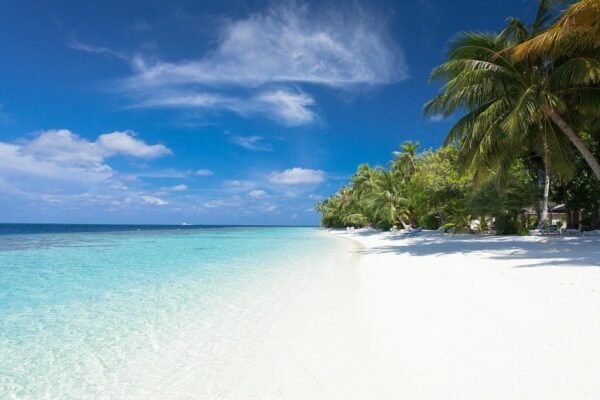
[203,172]
[224,203]
[260,62]
[171,173]
[74,44]
[177,188]
[252,143]
[288,43]
[297,176]
[289,106]
[239,185]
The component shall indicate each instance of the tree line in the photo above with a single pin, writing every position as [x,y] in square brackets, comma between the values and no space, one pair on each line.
[528,133]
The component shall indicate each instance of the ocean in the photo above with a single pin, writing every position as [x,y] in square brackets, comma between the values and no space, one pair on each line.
[119,312]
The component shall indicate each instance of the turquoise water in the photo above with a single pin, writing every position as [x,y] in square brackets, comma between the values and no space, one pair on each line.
[144,314]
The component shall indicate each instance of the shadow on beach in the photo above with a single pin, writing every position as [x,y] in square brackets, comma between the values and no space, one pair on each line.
[547,251]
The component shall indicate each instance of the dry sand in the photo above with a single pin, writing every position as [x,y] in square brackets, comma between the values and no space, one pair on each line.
[471,317]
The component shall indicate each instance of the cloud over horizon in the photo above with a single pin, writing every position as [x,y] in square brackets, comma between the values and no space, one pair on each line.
[60,166]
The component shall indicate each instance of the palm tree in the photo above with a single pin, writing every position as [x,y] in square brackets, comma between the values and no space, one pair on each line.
[505,101]
[574,33]
[364,183]
[387,201]
[404,160]
[364,180]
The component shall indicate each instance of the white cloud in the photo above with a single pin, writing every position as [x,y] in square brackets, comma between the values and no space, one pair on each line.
[259,61]
[258,194]
[62,146]
[436,118]
[288,43]
[178,188]
[270,208]
[126,143]
[231,202]
[65,147]
[239,185]
[203,172]
[76,45]
[172,173]
[297,176]
[163,173]
[154,200]
[233,183]
[17,163]
[289,107]
[252,143]
[58,166]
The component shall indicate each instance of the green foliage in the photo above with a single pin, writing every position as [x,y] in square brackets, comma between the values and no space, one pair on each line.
[522,118]
[430,221]
[506,224]
[459,221]
[437,184]
[583,191]
[512,108]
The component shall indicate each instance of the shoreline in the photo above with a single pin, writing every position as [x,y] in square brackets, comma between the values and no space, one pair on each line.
[467,317]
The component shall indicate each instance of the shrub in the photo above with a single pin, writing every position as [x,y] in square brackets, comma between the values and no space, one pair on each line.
[506,225]
[431,221]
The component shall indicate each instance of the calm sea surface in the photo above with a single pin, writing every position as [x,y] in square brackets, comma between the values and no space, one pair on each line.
[93,312]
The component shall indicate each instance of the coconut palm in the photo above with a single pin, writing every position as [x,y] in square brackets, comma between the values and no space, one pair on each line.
[365,179]
[364,182]
[575,32]
[404,160]
[506,101]
[387,201]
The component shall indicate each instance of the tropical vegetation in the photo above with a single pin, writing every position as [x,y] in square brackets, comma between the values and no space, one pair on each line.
[528,131]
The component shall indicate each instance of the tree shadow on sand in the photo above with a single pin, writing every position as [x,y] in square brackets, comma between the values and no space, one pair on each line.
[533,251]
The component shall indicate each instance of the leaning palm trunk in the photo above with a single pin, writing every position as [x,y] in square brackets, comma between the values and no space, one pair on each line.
[577,142]
[402,222]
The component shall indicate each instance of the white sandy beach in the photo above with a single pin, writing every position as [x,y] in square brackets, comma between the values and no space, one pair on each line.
[467,317]
[438,317]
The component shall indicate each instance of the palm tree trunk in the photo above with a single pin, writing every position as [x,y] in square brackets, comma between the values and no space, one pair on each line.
[576,140]
[544,219]
[402,222]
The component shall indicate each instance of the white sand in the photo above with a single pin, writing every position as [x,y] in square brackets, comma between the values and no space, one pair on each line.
[436,317]
[466,317]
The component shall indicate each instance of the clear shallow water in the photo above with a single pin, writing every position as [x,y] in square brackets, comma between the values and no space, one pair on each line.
[145,314]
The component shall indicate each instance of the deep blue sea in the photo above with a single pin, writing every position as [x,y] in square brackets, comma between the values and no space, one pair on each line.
[125,311]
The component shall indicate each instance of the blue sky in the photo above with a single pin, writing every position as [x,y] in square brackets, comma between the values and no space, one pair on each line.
[232,112]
